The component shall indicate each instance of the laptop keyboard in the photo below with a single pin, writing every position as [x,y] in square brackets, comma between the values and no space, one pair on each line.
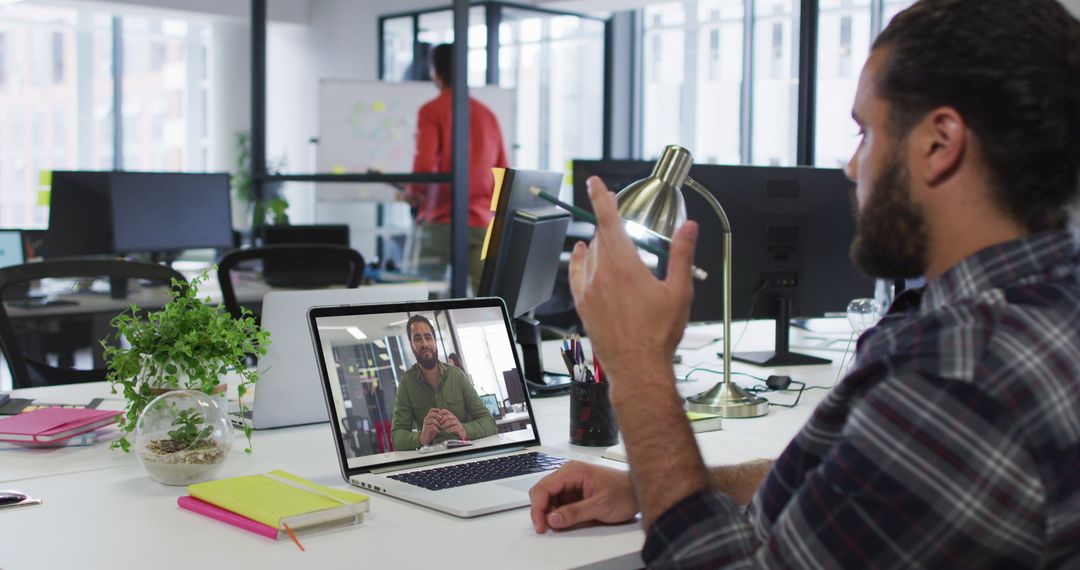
[462,474]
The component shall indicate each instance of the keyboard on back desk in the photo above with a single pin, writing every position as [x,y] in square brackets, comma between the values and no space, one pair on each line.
[461,474]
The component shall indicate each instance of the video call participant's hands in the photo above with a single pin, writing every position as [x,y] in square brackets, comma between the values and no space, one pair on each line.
[579,492]
[449,422]
[439,419]
[431,426]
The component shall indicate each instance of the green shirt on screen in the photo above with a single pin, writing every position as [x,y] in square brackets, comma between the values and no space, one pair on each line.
[415,398]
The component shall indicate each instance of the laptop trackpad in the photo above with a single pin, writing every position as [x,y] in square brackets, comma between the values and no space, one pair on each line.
[521,483]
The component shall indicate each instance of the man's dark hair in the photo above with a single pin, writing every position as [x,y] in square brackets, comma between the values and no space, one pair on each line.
[418,319]
[1012,70]
[442,60]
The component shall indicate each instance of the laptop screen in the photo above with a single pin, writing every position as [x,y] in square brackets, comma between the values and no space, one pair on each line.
[411,381]
[11,248]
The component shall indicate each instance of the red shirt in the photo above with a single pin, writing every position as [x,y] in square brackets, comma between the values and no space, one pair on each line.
[434,139]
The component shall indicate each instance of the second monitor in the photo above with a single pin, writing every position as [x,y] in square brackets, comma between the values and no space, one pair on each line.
[521,261]
[791,230]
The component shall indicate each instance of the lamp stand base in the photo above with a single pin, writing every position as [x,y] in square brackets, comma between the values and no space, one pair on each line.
[729,401]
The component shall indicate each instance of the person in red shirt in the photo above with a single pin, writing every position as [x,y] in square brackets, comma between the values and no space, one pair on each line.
[430,249]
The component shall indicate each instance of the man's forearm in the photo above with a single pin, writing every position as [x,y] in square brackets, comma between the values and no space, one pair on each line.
[482,427]
[665,463]
[740,481]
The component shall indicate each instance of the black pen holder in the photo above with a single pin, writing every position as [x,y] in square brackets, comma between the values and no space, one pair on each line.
[592,419]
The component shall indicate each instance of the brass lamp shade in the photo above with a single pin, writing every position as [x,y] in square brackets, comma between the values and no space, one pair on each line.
[656,203]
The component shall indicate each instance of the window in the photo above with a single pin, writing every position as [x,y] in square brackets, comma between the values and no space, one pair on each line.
[776,82]
[397,48]
[3,59]
[662,92]
[845,47]
[893,7]
[555,63]
[41,100]
[57,100]
[485,357]
[844,28]
[719,90]
[57,57]
[164,80]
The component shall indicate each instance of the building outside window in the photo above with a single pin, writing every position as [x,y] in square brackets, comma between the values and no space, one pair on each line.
[693,78]
[664,121]
[844,39]
[719,88]
[57,99]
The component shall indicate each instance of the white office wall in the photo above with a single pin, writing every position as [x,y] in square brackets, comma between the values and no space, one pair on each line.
[1073,6]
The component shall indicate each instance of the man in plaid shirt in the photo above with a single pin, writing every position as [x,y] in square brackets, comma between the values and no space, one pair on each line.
[955,441]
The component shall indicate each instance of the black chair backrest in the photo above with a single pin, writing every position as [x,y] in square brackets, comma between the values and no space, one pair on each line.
[38,324]
[300,266]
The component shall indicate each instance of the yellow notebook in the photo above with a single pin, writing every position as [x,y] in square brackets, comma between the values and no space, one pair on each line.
[700,422]
[278,498]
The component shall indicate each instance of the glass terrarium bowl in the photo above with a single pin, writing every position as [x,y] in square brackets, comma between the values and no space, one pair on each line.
[183,437]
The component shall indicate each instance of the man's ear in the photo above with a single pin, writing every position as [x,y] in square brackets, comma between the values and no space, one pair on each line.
[938,144]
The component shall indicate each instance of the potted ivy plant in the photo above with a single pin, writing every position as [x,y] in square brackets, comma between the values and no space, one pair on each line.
[189,344]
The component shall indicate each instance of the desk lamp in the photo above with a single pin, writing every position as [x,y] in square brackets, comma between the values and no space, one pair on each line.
[655,205]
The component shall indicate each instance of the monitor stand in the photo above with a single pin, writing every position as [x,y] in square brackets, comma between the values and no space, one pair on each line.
[781,356]
[527,331]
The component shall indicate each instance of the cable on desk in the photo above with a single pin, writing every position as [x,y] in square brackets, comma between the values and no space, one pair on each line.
[843,359]
[746,323]
[767,389]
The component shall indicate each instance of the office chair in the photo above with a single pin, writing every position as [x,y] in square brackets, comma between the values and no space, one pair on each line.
[73,316]
[296,266]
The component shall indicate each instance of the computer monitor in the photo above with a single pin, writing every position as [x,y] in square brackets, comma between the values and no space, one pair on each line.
[791,231]
[12,252]
[168,212]
[304,272]
[521,260]
[80,215]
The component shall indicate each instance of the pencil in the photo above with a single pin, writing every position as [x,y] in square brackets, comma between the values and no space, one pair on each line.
[586,216]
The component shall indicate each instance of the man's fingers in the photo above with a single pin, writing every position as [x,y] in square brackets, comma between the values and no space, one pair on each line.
[609,226]
[539,499]
[545,492]
[681,255]
[578,270]
[571,514]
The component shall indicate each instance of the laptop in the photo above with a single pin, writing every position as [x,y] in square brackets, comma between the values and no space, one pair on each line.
[288,392]
[377,399]
[11,248]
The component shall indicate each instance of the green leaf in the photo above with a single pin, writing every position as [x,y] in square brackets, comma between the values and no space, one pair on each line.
[186,336]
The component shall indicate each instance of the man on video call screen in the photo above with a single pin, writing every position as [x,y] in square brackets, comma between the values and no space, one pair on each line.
[436,401]
[397,392]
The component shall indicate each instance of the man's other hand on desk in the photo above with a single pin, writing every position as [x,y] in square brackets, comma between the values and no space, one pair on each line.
[579,493]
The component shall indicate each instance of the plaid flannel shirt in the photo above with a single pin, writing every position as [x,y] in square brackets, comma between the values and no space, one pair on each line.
[953,443]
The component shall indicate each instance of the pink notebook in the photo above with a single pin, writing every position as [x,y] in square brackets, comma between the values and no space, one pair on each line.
[226,516]
[47,425]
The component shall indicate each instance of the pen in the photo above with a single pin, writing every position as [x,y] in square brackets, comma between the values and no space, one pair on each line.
[585,216]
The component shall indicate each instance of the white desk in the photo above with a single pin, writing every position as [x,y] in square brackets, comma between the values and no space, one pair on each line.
[102,510]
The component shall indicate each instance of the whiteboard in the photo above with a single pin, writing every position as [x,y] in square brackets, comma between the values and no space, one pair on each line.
[371,125]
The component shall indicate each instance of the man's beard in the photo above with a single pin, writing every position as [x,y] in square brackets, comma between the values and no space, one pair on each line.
[891,240]
[427,363]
